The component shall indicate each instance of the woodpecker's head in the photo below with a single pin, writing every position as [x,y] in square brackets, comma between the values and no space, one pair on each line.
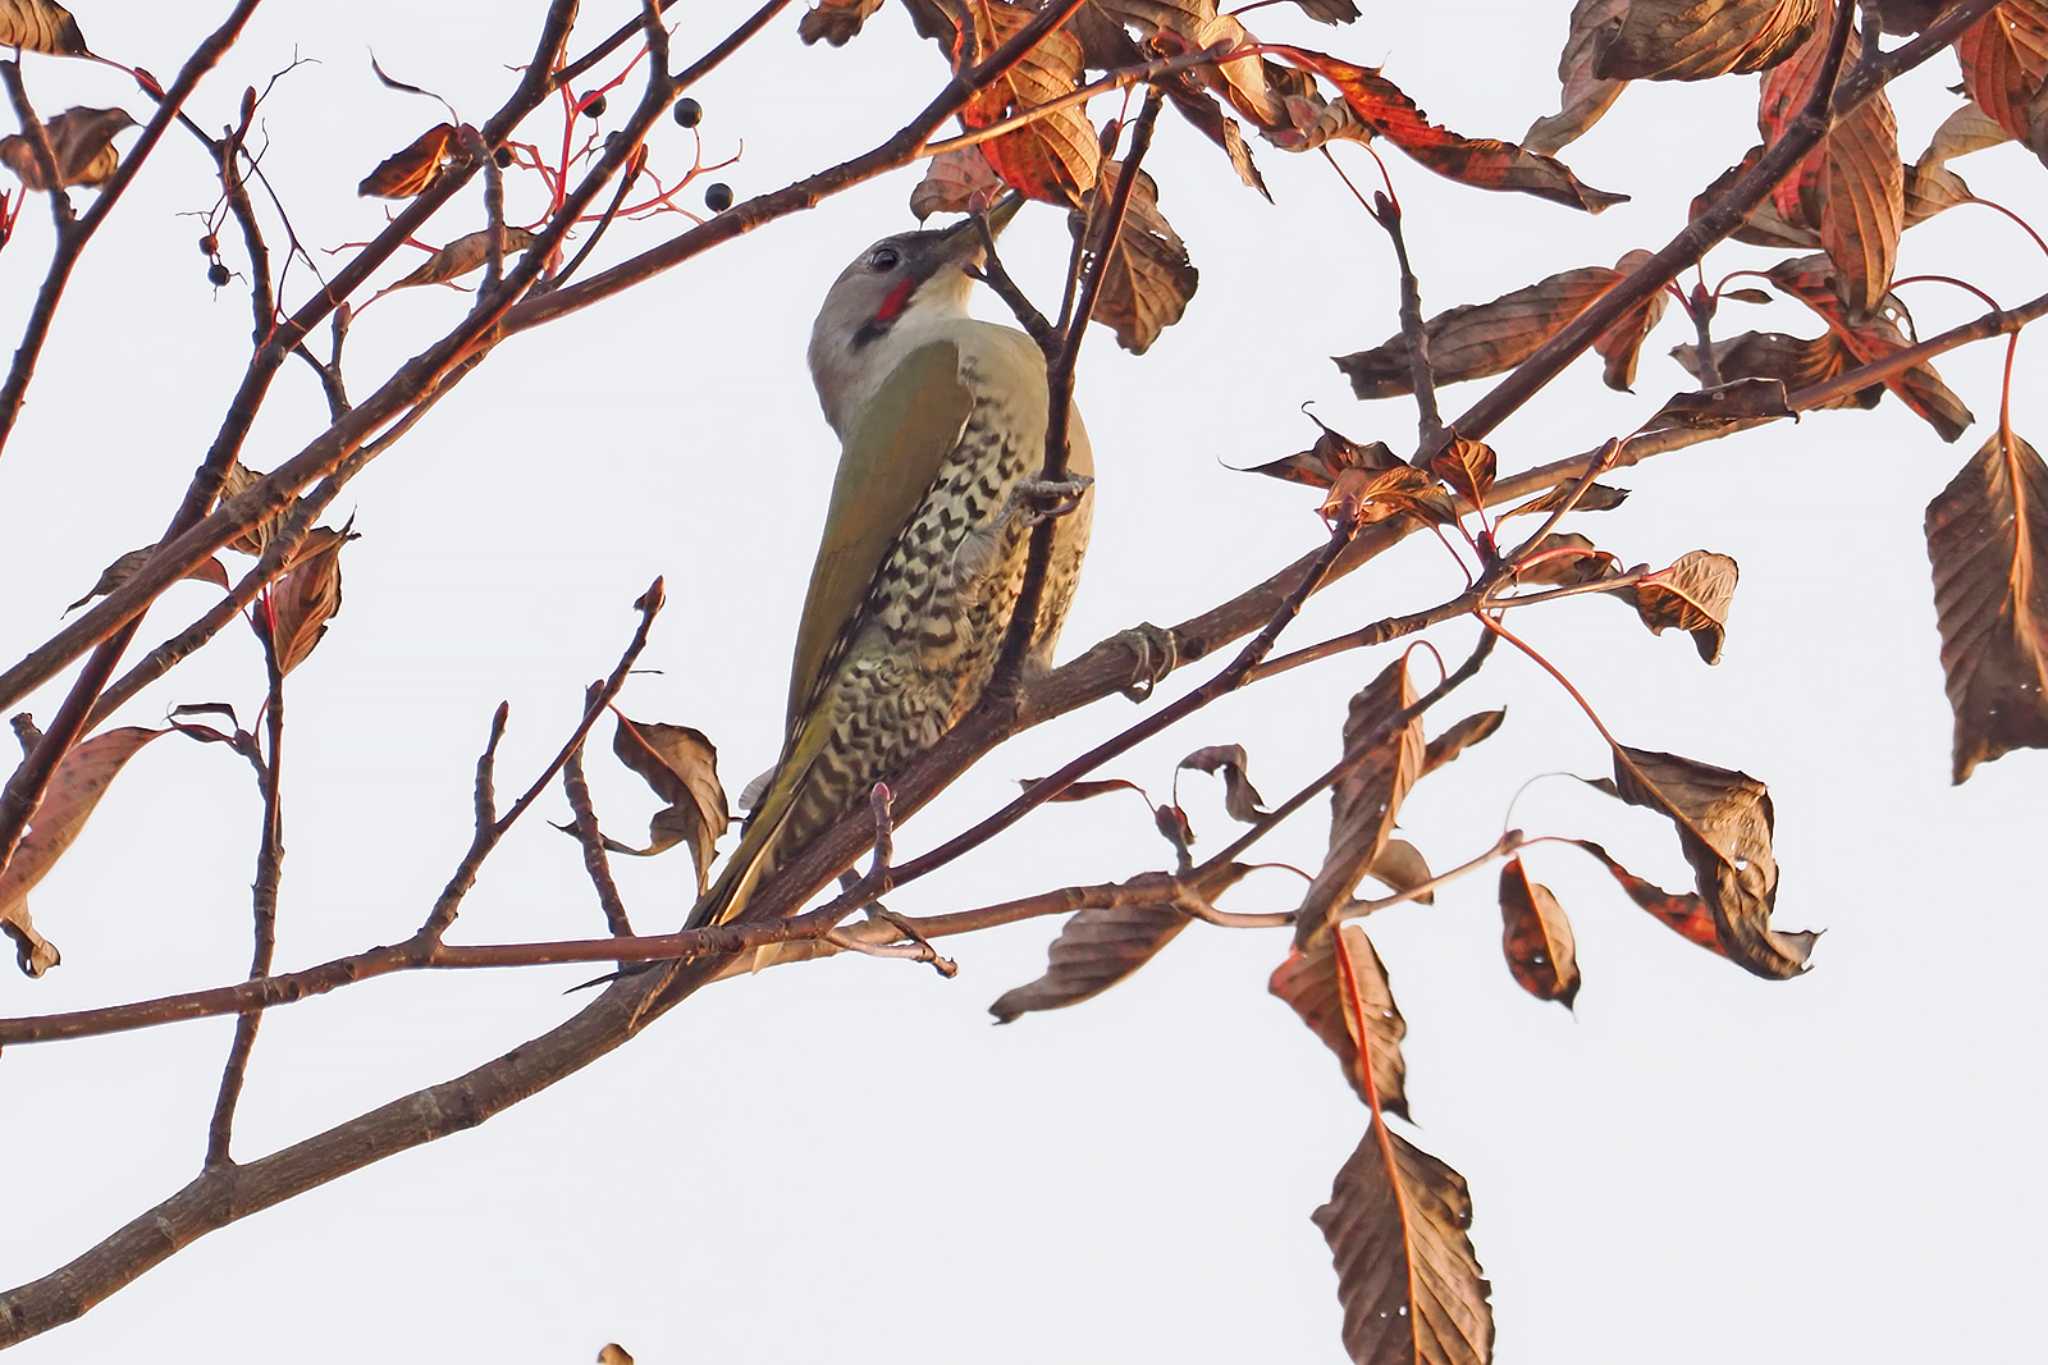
[891,292]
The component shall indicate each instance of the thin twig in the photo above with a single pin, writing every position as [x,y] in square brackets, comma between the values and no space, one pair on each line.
[583,812]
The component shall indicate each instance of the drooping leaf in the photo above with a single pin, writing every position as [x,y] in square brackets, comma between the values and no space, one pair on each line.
[1725,825]
[1536,937]
[1240,798]
[1810,279]
[1054,158]
[1148,279]
[959,181]
[1458,737]
[464,254]
[1486,163]
[2005,63]
[1255,87]
[1338,985]
[414,168]
[1968,129]
[40,26]
[305,598]
[1586,96]
[1795,362]
[681,765]
[1467,466]
[1095,949]
[1475,340]
[1200,108]
[121,570]
[81,779]
[1401,868]
[1693,595]
[1566,559]
[1693,40]
[1987,535]
[1366,800]
[1412,1288]
[81,144]
[1685,915]
[835,21]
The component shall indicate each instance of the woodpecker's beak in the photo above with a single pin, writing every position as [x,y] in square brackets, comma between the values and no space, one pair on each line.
[963,239]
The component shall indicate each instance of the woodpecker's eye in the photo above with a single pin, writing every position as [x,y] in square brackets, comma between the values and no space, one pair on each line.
[883,258]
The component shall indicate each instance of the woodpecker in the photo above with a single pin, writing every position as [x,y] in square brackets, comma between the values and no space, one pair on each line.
[941,420]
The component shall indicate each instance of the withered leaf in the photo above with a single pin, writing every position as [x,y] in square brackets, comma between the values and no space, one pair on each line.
[1467,466]
[81,144]
[1810,279]
[1931,190]
[121,570]
[1475,340]
[1401,868]
[1598,497]
[1693,595]
[1457,738]
[1095,949]
[1987,535]
[40,26]
[1148,279]
[1968,129]
[1056,157]
[1084,791]
[1908,16]
[681,766]
[1692,40]
[1685,915]
[835,21]
[1732,404]
[1331,455]
[464,254]
[254,541]
[1199,108]
[305,598]
[1329,11]
[1795,362]
[1565,559]
[415,168]
[2005,63]
[958,181]
[1366,799]
[1338,985]
[1764,225]
[1411,1286]
[1586,96]
[1367,498]
[81,779]
[1255,87]
[1620,344]
[1240,798]
[1486,163]
[1536,937]
[1725,823]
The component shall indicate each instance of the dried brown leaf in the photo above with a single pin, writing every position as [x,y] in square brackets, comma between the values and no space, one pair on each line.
[1240,798]
[1693,595]
[1148,279]
[2005,63]
[81,143]
[1330,456]
[1693,40]
[681,765]
[1727,406]
[1467,466]
[305,598]
[121,570]
[1795,362]
[1411,1286]
[464,254]
[1536,937]
[1458,737]
[81,779]
[1367,799]
[1200,108]
[1054,158]
[958,181]
[1401,867]
[1685,915]
[1586,96]
[414,168]
[835,21]
[1338,985]
[1987,535]
[1598,497]
[1368,497]
[40,26]
[1622,343]
[1095,949]
[1566,559]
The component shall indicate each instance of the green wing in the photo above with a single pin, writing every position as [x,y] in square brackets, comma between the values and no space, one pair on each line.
[891,459]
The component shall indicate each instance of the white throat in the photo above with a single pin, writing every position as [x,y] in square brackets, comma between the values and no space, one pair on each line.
[847,376]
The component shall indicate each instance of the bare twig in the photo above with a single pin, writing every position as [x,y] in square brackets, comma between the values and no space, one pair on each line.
[1387,213]
[588,834]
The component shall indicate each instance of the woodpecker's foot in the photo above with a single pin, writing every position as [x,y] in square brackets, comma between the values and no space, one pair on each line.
[1037,500]
[1156,653]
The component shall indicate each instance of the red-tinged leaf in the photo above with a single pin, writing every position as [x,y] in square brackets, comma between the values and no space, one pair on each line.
[415,168]
[1096,949]
[1172,824]
[1907,16]
[1199,108]
[1240,798]
[1598,497]
[959,181]
[121,570]
[1586,96]
[1685,915]
[1458,737]
[1054,158]
[1367,498]
[835,21]
[1148,279]
[2005,63]
[1987,535]
[1794,362]
[306,598]
[1366,800]
[464,254]
[81,779]
[1693,595]
[1536,937]
[1693,40]
[1725,826]
[1412,1288]
[40,26]
[1566,559]
[1810,279]
[1764,225]
[1476,340]
[1487,163]
[680,765]
[81,144]
[1467,466]
[1331,455]
[1622,343]
[1338,985]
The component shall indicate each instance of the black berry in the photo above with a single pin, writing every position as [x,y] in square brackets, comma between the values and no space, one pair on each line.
[718,197]
[688,113]
[594,109]
[209,245]
[217,273]
[503,156]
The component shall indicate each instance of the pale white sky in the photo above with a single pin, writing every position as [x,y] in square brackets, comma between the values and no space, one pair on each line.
[845,1161]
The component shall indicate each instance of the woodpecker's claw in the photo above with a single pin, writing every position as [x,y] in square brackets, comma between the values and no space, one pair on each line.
[1157,653]
[1037,500]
